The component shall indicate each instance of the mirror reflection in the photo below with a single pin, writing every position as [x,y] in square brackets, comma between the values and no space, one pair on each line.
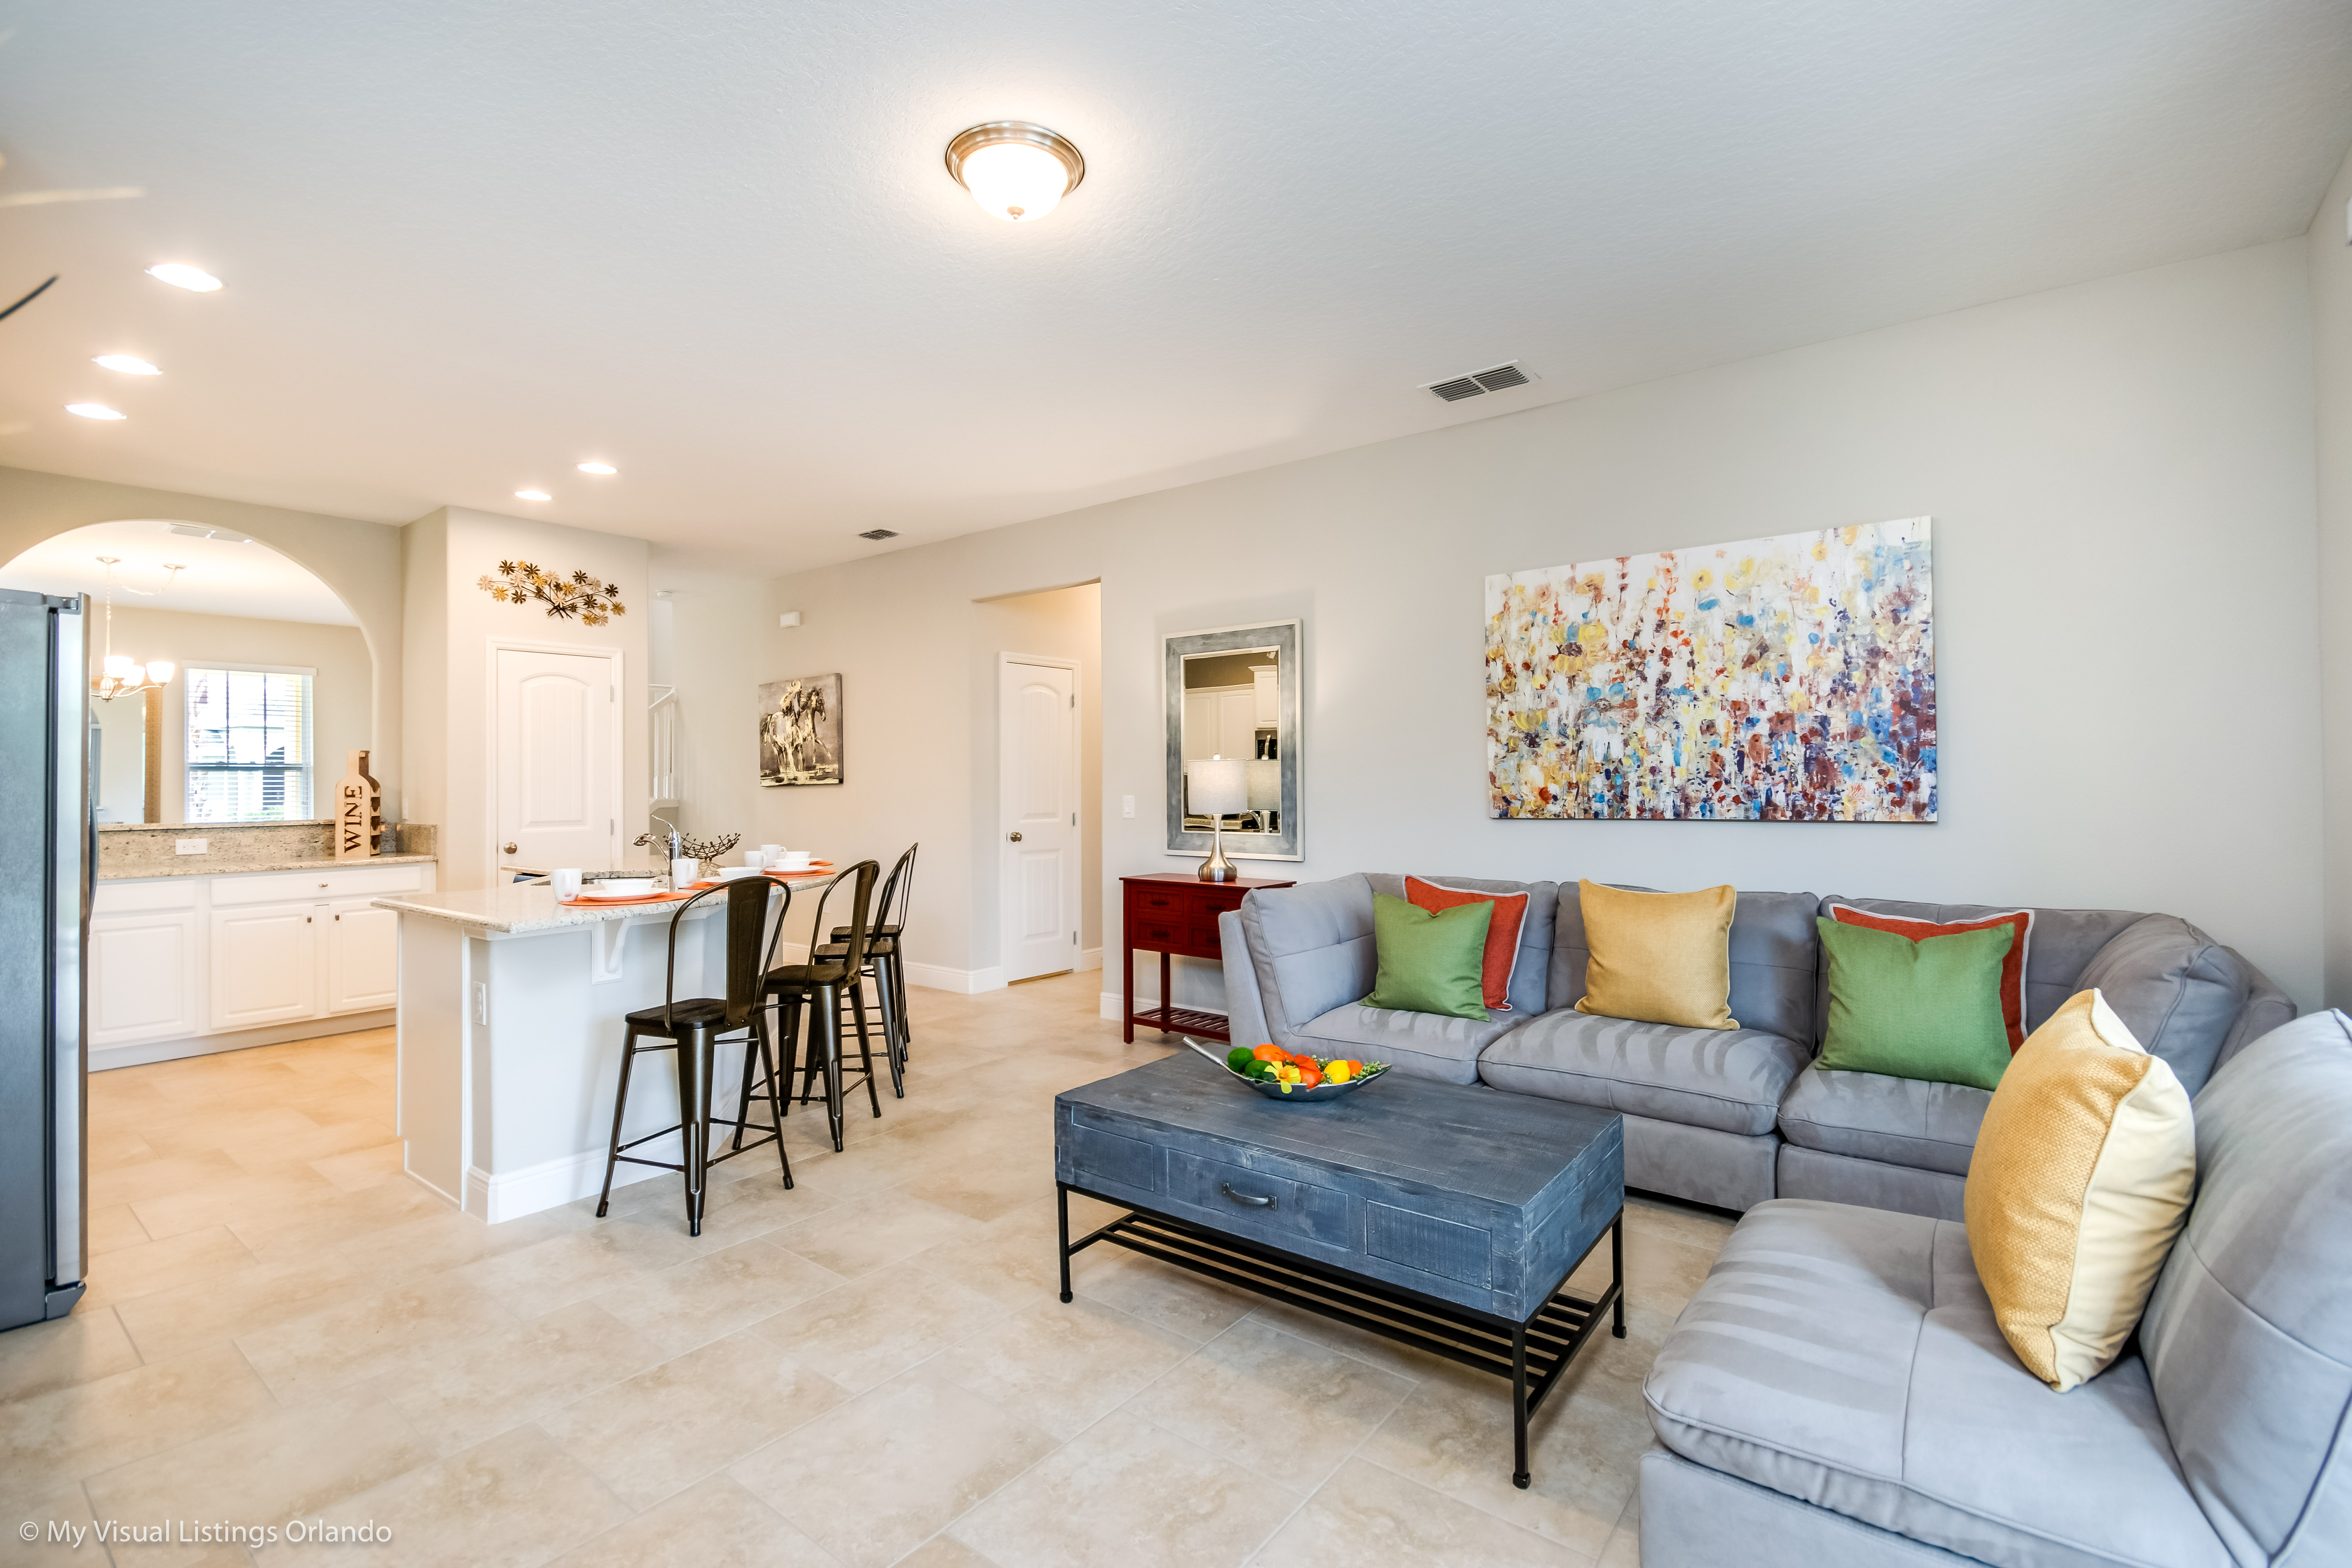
[1233,712]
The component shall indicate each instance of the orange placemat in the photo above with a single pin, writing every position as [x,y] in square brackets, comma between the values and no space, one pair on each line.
[622,903]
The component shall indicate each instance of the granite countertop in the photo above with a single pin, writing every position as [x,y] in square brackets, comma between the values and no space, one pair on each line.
[196,866]
[523,910]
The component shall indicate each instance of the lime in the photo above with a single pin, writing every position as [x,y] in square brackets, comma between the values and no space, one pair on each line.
[1239,1058]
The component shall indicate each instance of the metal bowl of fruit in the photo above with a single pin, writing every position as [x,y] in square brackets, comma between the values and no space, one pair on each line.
[1293,1077]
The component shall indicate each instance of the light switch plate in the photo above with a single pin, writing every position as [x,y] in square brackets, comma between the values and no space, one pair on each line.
[1127,806]
[192,846]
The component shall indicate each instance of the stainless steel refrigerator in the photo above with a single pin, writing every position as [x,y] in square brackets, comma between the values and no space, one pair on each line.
[48,853]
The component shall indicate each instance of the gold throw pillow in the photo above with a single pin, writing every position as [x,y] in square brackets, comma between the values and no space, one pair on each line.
[1659,958]
[2080,1181]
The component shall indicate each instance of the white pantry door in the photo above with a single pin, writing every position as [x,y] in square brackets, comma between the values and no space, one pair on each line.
[1037,715]
[559,780]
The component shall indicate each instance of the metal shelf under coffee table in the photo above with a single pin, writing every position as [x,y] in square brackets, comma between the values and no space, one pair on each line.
[1445,1217]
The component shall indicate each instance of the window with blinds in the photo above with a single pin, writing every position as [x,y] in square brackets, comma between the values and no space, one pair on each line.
[249,750]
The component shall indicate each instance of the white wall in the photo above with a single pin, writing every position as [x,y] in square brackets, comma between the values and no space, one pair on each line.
[451,625]
[2121,476]
[340,697]
[2330,260]
[360,561]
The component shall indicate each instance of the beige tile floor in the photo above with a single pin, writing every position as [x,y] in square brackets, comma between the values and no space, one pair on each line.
[871,1368]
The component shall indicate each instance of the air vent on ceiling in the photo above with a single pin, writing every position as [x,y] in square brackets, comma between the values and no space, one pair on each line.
[879,533]
[198,531]
[1496,378]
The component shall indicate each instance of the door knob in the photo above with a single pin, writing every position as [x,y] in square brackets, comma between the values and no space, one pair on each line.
[1015,837]
[510,849]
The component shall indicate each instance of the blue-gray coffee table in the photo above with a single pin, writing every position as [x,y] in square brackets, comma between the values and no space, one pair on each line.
[1444,1216]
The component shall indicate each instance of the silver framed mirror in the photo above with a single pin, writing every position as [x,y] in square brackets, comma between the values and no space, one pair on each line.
[1231,695]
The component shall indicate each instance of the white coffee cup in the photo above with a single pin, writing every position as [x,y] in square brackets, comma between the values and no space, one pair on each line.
[565,882]
[755,858]
[770,853]
[795,860]
[683,871]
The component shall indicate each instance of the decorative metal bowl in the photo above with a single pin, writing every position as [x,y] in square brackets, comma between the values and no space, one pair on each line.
[1296,1095]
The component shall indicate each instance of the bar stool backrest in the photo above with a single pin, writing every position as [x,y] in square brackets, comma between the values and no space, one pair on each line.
[898,892]
[748,899]
[861,877]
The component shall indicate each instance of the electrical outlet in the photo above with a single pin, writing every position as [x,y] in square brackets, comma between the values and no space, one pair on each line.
[481,1001]
[1127,806]
[192,846]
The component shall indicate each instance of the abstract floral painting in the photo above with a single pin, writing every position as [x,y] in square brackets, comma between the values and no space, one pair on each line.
[1788,679]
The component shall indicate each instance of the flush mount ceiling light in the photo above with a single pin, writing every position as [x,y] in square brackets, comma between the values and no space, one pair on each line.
[94,411]
[1014,170]
[532,495]
[598,468]
[179,275]
[129,364]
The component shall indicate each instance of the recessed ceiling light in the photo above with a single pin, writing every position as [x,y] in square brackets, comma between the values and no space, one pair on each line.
[532,495]
[179,275]
[93,411]
[129,364]
[1014,170]
[598,468]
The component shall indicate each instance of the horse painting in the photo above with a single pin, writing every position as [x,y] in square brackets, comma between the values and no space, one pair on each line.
[800,730]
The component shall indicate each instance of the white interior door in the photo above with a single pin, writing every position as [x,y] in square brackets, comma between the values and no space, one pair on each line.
[558,783]
[1037,714]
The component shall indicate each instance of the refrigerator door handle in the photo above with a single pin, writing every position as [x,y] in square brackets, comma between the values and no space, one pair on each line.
[73,840]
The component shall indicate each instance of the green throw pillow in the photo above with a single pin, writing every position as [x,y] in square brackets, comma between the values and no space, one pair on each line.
[1431,962]
[1927,1009]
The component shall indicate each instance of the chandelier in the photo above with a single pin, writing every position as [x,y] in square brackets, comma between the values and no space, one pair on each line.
[119,676]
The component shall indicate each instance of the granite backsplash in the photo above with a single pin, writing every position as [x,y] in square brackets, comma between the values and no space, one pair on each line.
[130,849]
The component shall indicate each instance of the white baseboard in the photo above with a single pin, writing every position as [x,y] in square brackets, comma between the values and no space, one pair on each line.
[1089,958]
[105,1058]
[962,981]
[546,1186]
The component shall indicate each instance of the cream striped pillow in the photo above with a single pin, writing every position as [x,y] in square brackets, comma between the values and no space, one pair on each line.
[2080,1178]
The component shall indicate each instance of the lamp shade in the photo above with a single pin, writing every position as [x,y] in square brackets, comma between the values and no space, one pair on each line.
[1265,783]
[1216,786]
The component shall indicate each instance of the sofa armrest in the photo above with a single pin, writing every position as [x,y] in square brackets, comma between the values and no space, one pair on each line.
[2267,1007]
[1245,1009]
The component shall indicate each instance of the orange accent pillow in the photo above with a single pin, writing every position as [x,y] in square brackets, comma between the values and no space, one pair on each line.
[2013,968]
[1501,932]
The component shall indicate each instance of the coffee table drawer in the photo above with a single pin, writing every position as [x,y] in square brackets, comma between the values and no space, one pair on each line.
[1275,1205]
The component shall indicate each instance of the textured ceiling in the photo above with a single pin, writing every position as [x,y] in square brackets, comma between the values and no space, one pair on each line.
[468,247]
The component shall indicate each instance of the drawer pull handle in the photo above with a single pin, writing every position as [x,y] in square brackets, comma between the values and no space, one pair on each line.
[1245,1198]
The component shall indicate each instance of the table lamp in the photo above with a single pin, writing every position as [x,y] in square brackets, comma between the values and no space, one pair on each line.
[1217,787]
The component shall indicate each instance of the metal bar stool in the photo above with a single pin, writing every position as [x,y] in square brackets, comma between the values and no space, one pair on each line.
[818,985]
[884,964]
[692,1028]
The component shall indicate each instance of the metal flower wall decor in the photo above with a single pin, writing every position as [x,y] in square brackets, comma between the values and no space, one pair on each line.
[520,582]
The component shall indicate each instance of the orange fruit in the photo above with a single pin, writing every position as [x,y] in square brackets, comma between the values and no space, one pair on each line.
[1270,1053]
[1308,1077]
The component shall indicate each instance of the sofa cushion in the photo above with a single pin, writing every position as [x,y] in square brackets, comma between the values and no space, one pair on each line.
[1774,956]
[1898,1120]
[2064,942]
[2176,989]
[1848,1357]
[1418,1045]
[1729,1080]
[2249,1332]
[1530,977]
[1312,947]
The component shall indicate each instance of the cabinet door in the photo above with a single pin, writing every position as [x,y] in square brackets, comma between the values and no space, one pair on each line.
[1265,695]
[142,977]
[363,953]
[265,965]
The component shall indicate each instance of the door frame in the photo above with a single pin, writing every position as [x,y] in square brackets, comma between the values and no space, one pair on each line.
[499,645]
[1074,880]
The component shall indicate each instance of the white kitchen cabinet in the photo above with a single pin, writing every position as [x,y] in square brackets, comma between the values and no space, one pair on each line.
[143,976]
[180,966]
[361,950]
[265,964]
[1265,694]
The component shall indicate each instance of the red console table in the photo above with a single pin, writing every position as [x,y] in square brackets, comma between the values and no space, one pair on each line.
[1171,913]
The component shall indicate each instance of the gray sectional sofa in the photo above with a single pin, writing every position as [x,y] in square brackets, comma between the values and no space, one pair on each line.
[1838,1394]
[1729,1118]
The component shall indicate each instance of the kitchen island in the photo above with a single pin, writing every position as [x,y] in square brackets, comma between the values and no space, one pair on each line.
[512,1010]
